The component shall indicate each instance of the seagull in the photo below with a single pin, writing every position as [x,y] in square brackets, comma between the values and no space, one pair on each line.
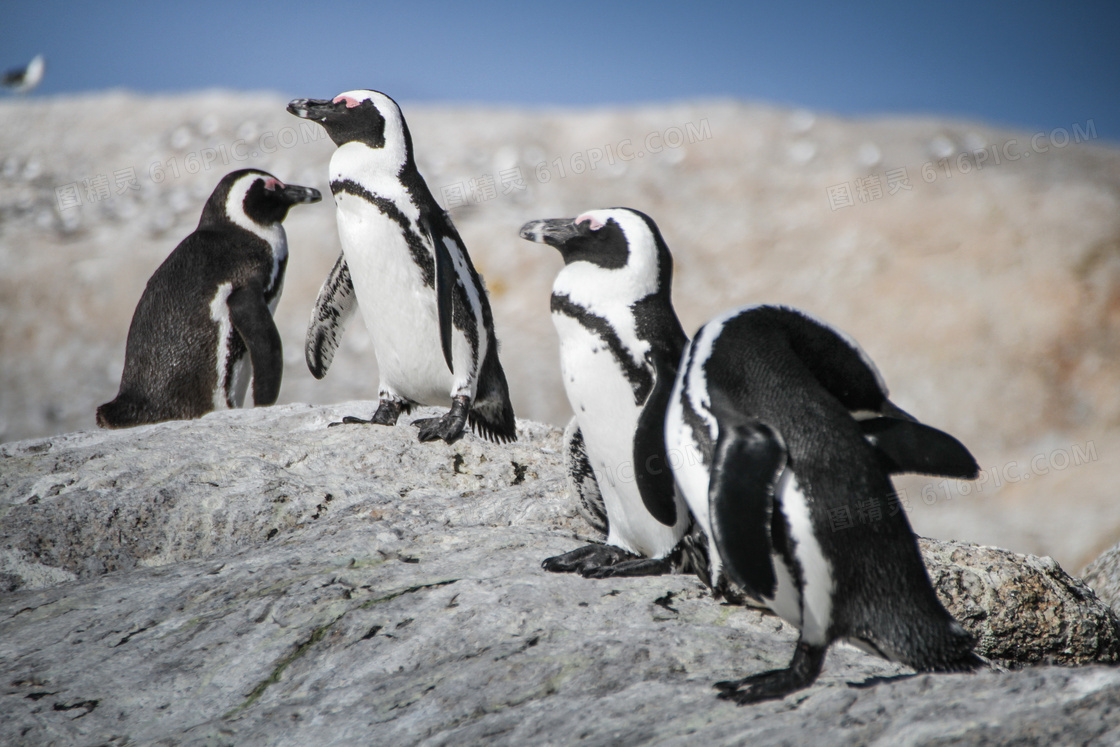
[23,80]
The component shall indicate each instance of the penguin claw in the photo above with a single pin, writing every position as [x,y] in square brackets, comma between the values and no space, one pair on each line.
[776,683]
[605,561]
[450,427]
[387,413]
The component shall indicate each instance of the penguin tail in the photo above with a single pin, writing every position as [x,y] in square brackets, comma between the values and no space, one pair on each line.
[495,424]
[491,415]
[123,412]
[111,415]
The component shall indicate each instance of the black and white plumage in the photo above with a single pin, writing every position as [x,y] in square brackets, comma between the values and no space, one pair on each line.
[204,324]
[620,344]
[26,78]
[784,442]
[405,267]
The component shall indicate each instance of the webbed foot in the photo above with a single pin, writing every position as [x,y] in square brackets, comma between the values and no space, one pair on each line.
[777,683]
[387,413]
[450,426]
[605,561]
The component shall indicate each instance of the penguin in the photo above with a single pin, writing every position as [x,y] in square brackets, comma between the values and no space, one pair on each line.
[204,322]
[620,345]
[783,440]
[404,265]
[27,78]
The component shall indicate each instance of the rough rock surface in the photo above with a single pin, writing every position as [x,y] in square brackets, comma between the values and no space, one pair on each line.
[1103,576]
[254,577]
[986,285]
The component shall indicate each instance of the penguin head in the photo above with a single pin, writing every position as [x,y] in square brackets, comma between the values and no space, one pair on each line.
[360,116]
[618,239]
[254,196]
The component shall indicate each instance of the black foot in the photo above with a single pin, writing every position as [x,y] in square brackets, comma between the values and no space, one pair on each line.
[605,561]
[450,426]
[387,413]
[778,683]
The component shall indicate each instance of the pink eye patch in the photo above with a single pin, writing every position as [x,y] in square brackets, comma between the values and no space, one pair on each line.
[272,184]
[350,102]
[595,225]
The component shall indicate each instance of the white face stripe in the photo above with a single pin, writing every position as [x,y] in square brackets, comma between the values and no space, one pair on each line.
[235,209]
[609,293]
[395,153]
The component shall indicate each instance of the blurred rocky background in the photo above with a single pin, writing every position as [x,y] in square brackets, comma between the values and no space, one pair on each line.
[979,268]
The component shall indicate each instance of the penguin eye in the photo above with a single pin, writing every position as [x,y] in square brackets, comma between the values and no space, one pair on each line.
[350,102]
[592,223]
[272,184]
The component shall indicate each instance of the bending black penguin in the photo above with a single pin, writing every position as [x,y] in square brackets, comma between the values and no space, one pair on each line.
[785,440]
[404,265]
[206,313]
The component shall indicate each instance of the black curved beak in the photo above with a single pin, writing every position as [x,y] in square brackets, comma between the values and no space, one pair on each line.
[555,232]
[294,194]
[314,109]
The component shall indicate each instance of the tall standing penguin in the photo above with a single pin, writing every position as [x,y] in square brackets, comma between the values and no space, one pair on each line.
[404,265]
[204,323]
[786,440]
[620,344]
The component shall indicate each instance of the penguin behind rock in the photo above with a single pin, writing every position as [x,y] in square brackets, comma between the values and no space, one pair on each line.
[206,313]
[620,344]
[404,265]
[783,441]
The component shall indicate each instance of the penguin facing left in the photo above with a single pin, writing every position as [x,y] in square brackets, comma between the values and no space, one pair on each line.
[204,323]
[405,267]
[785,441]
[620,344]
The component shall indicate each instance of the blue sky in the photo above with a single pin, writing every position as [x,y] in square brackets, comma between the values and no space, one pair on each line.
[1029,65]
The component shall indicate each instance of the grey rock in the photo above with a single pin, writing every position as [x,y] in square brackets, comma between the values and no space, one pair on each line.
[192,583]
[1022,609]
[1103,576]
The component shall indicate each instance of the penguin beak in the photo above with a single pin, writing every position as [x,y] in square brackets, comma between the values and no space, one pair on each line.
[314,109]
[293,194]
[555,232]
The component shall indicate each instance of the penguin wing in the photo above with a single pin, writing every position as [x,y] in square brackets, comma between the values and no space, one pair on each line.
[747,463]
[909,446]
[250,316]
[333,308]
[651,463]
[445,280]
[581,479]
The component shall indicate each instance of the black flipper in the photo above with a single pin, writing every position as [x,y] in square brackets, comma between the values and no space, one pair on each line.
[333,308]
[582,484]
[250,316]
[802,671]
[746,465]
[651,461]
[446,281]
[909,446]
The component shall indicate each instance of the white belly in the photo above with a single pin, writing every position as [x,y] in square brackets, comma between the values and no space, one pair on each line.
[603,402]
[398,309]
